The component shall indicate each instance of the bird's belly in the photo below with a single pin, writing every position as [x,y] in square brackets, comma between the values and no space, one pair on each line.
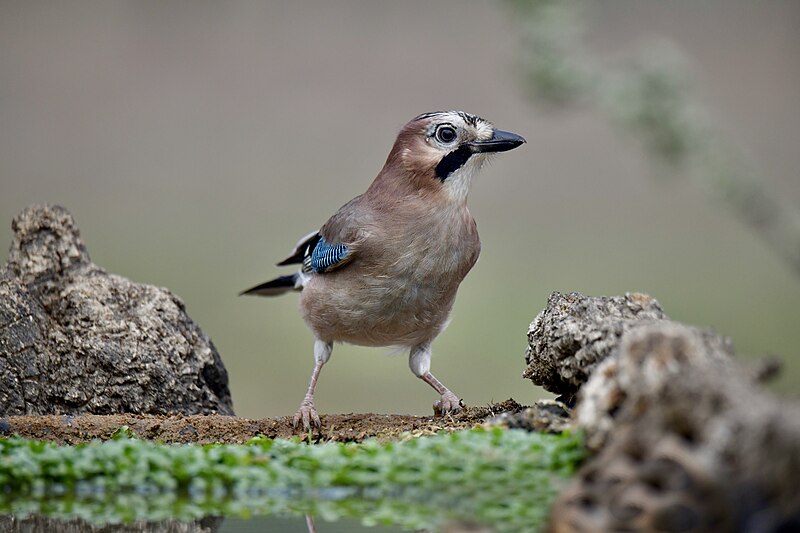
[399,311]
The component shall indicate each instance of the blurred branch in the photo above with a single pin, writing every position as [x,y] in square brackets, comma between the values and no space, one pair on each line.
[652,100]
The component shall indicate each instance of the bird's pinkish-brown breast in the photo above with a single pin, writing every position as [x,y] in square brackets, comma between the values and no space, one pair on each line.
[400,288]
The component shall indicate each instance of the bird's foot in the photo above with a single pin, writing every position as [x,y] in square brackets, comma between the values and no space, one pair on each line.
[308,414]
[449,404]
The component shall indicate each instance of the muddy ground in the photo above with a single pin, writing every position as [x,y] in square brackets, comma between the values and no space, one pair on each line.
[230,429]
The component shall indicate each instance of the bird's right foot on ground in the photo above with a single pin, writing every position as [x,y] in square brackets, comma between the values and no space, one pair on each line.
[449,404]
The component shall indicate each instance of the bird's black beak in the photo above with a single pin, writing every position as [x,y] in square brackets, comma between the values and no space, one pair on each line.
[501,141]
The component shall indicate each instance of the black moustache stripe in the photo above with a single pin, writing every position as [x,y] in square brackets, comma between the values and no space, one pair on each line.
[452,162]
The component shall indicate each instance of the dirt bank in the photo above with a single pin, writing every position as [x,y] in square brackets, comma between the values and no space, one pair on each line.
[230,429]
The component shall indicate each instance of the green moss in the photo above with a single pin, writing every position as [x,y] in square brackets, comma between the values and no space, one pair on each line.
[503,477]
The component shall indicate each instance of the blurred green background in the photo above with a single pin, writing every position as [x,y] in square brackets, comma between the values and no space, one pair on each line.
[196,141]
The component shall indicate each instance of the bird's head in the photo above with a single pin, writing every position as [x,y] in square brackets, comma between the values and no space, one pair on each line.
[442,151]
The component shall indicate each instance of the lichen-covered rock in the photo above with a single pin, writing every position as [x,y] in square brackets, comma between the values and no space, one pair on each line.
[689,443]
[575,333]
[76,339]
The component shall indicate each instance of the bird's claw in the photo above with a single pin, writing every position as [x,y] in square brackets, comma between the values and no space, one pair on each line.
[450,403]
[308,414]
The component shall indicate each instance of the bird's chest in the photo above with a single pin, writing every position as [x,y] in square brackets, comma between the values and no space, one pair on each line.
[400,287]
[433,248]
[433,267]
[435,255]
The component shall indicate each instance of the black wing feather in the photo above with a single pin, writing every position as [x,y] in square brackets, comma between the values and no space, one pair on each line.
[274,287]
[302,250]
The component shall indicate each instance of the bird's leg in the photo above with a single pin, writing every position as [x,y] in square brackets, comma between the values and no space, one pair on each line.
[307,412]
[420,362]
[450,403]
[312,528]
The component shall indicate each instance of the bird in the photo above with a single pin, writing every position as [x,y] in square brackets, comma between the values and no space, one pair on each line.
[385,268]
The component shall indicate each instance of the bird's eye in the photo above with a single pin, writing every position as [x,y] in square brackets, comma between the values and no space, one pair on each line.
[445,134]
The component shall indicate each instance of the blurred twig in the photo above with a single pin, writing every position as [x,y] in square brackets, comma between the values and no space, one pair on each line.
[651,99]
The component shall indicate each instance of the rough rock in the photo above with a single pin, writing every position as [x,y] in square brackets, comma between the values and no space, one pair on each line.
[650,357]
[76,339]
[575,333]
[546,416]
[689,443]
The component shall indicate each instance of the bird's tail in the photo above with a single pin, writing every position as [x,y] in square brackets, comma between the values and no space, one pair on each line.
[281,285]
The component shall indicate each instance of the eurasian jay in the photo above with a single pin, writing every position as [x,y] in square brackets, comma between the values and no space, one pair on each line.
[384,270]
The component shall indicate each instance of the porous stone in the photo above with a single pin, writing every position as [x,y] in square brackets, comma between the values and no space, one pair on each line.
[685,441]
[649,358]
[575,333]
[76,339]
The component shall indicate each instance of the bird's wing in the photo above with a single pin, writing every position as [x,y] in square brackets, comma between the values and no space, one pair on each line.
[326,257]
[333,246]
[302,249]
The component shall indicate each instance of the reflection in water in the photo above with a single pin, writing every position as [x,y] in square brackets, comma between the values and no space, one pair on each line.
[39,523]
[168,513]
[212,524]
[502,478]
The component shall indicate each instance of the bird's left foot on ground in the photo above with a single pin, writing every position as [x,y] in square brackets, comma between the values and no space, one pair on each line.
[308,415]
[449,404]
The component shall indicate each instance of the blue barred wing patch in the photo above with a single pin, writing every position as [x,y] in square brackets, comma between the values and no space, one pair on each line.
[326,257]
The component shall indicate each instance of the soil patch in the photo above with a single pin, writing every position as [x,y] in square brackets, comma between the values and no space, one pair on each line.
[64,429]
